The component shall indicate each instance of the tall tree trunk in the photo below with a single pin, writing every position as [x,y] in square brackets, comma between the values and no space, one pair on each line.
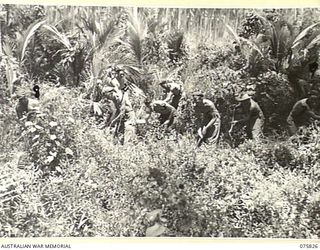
[73,18]
[168,18]
[237,20]
[188,28]
[213,30]
[179,18]
[199,23]
[0,39]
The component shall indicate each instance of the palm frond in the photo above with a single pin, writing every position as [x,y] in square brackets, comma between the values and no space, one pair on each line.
[108,34]
[89,23]
[273,38]
[8,49]
[281,38]
[314,42]
[233,33]
[241,40]
[252,45]
[263,20]
[136,90]
[156,27]
[136,32]
[175,42]
[303,34]
[25,38]
[62,38]
[133,75]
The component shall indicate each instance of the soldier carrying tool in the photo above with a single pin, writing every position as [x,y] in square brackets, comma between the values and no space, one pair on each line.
[210,122]
[253,117]
[120,114]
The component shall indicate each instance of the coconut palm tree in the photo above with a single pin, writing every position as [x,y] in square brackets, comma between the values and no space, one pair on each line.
[282,40]
[15,54]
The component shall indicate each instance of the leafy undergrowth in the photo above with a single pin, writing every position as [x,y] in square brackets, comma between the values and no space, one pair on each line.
[62,176]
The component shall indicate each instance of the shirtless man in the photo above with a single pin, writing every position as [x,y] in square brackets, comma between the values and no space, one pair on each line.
[205,109]
[253,117]
[302,113]
[173,92]
[166,111]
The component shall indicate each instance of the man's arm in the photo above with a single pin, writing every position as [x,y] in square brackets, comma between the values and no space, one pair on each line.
[172,111]
[245,119]
[169,97]
[212,121]
[214,114]
[299,108]
[313,115]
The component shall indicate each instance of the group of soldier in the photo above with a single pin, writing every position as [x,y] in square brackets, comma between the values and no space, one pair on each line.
[120,114]
[110,97]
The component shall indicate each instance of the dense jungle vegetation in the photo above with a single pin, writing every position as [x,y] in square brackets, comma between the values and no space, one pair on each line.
[63,175]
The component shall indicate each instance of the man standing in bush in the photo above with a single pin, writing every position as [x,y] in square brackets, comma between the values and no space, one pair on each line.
[120,114]
[302,113]
[210,122]
[253,117]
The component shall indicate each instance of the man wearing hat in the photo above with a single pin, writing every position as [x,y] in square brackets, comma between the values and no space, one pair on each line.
[210,122]
[302,113]
[253,117]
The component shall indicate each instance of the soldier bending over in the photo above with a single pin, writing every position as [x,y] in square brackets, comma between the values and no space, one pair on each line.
[210,123]
[302,113]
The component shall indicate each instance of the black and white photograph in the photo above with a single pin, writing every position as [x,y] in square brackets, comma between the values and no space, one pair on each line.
[120,121]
